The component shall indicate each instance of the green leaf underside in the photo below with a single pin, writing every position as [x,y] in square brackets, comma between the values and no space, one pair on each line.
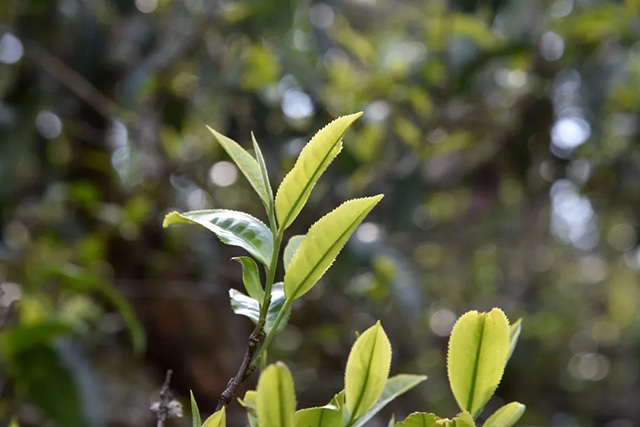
[251,277]
[394,387]
[419,419]
[314,159]
[232,227]
[367,370]
[514,335]
[478,350]
[246,306]
[218,419]
[290,249]
[276,402]
[318,417]
[263,168]
[195,413]
[247,165]
[506,416]
[323,242]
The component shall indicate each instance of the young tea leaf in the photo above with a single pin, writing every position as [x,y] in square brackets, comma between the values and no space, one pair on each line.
[478,350]
[290,250]
[276,402]
[246,306]
[506,416]
[367,371]
[249,167]
[195,413]
[263,168]
[394,387]
[514,334]
[318,417]
[218,419]
[314,159]
[251,277]
[249,402]
[420,419]
[463,419]
[323,242]
[233,228]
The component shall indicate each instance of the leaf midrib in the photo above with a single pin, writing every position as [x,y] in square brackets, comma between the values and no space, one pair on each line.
[476,365]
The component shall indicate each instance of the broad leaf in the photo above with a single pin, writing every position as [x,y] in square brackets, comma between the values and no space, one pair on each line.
[323,242]
[394,387]
[250,402]
[247,165]
[290,250]
[514,334]
[263,169]
[478,350]
[314,159]
[196,421]
[318,417]
[506,416]
[218,419]
[419,419]
[367,371]
[233,228]
[246,306]
[276,402]
[251,277]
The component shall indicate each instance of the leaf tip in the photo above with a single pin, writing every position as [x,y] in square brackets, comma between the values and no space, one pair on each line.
[170,219]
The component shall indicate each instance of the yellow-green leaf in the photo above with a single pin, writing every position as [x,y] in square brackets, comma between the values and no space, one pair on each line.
[318,417]
[478,350]
[251,277]
[323,242]
[276,403]
[250,402]
[290,250]
[419,419]
[367,371]
[506,416]
[314,159]
[263,168]
[514,334]
[463,419]
[218,419]
[232,227]
[195,412]
[247,165]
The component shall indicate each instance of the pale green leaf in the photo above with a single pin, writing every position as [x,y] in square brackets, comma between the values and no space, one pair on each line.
[195,412]
[394,387]
[318,417]
[263,168]
[506,416]
[463,419]
[392,421]
[218,419]
[367,371]
[514,334]
[419,419]
[314,159]
[478,350]
[251,277]
[290,249]
[250,402]
[232,227]
[247,165]
[244,305]
[276,401]
[323,242]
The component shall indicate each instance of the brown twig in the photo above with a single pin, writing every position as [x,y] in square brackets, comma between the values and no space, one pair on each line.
[167,407]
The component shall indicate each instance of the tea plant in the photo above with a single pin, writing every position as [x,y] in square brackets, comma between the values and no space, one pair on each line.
[479,346]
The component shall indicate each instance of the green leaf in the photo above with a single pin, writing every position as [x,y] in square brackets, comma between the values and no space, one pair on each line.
[218,419]
[506,416]
[314,159]
[247,165]
[276,402]
[195,412]
[514,334]
[478,350]
[263,169]
[318,417]
[367,371]
[246,306]
[323,242]
[233,228]
[463,419]
[394,387]
[250,402]
[251,277]
[419,419]
[290,249]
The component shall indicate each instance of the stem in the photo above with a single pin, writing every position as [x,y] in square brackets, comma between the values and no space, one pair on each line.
[270,335]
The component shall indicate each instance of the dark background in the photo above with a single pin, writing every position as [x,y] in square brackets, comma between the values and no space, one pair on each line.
[503,133]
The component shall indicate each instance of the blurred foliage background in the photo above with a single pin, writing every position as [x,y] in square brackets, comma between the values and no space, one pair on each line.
[503,132]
